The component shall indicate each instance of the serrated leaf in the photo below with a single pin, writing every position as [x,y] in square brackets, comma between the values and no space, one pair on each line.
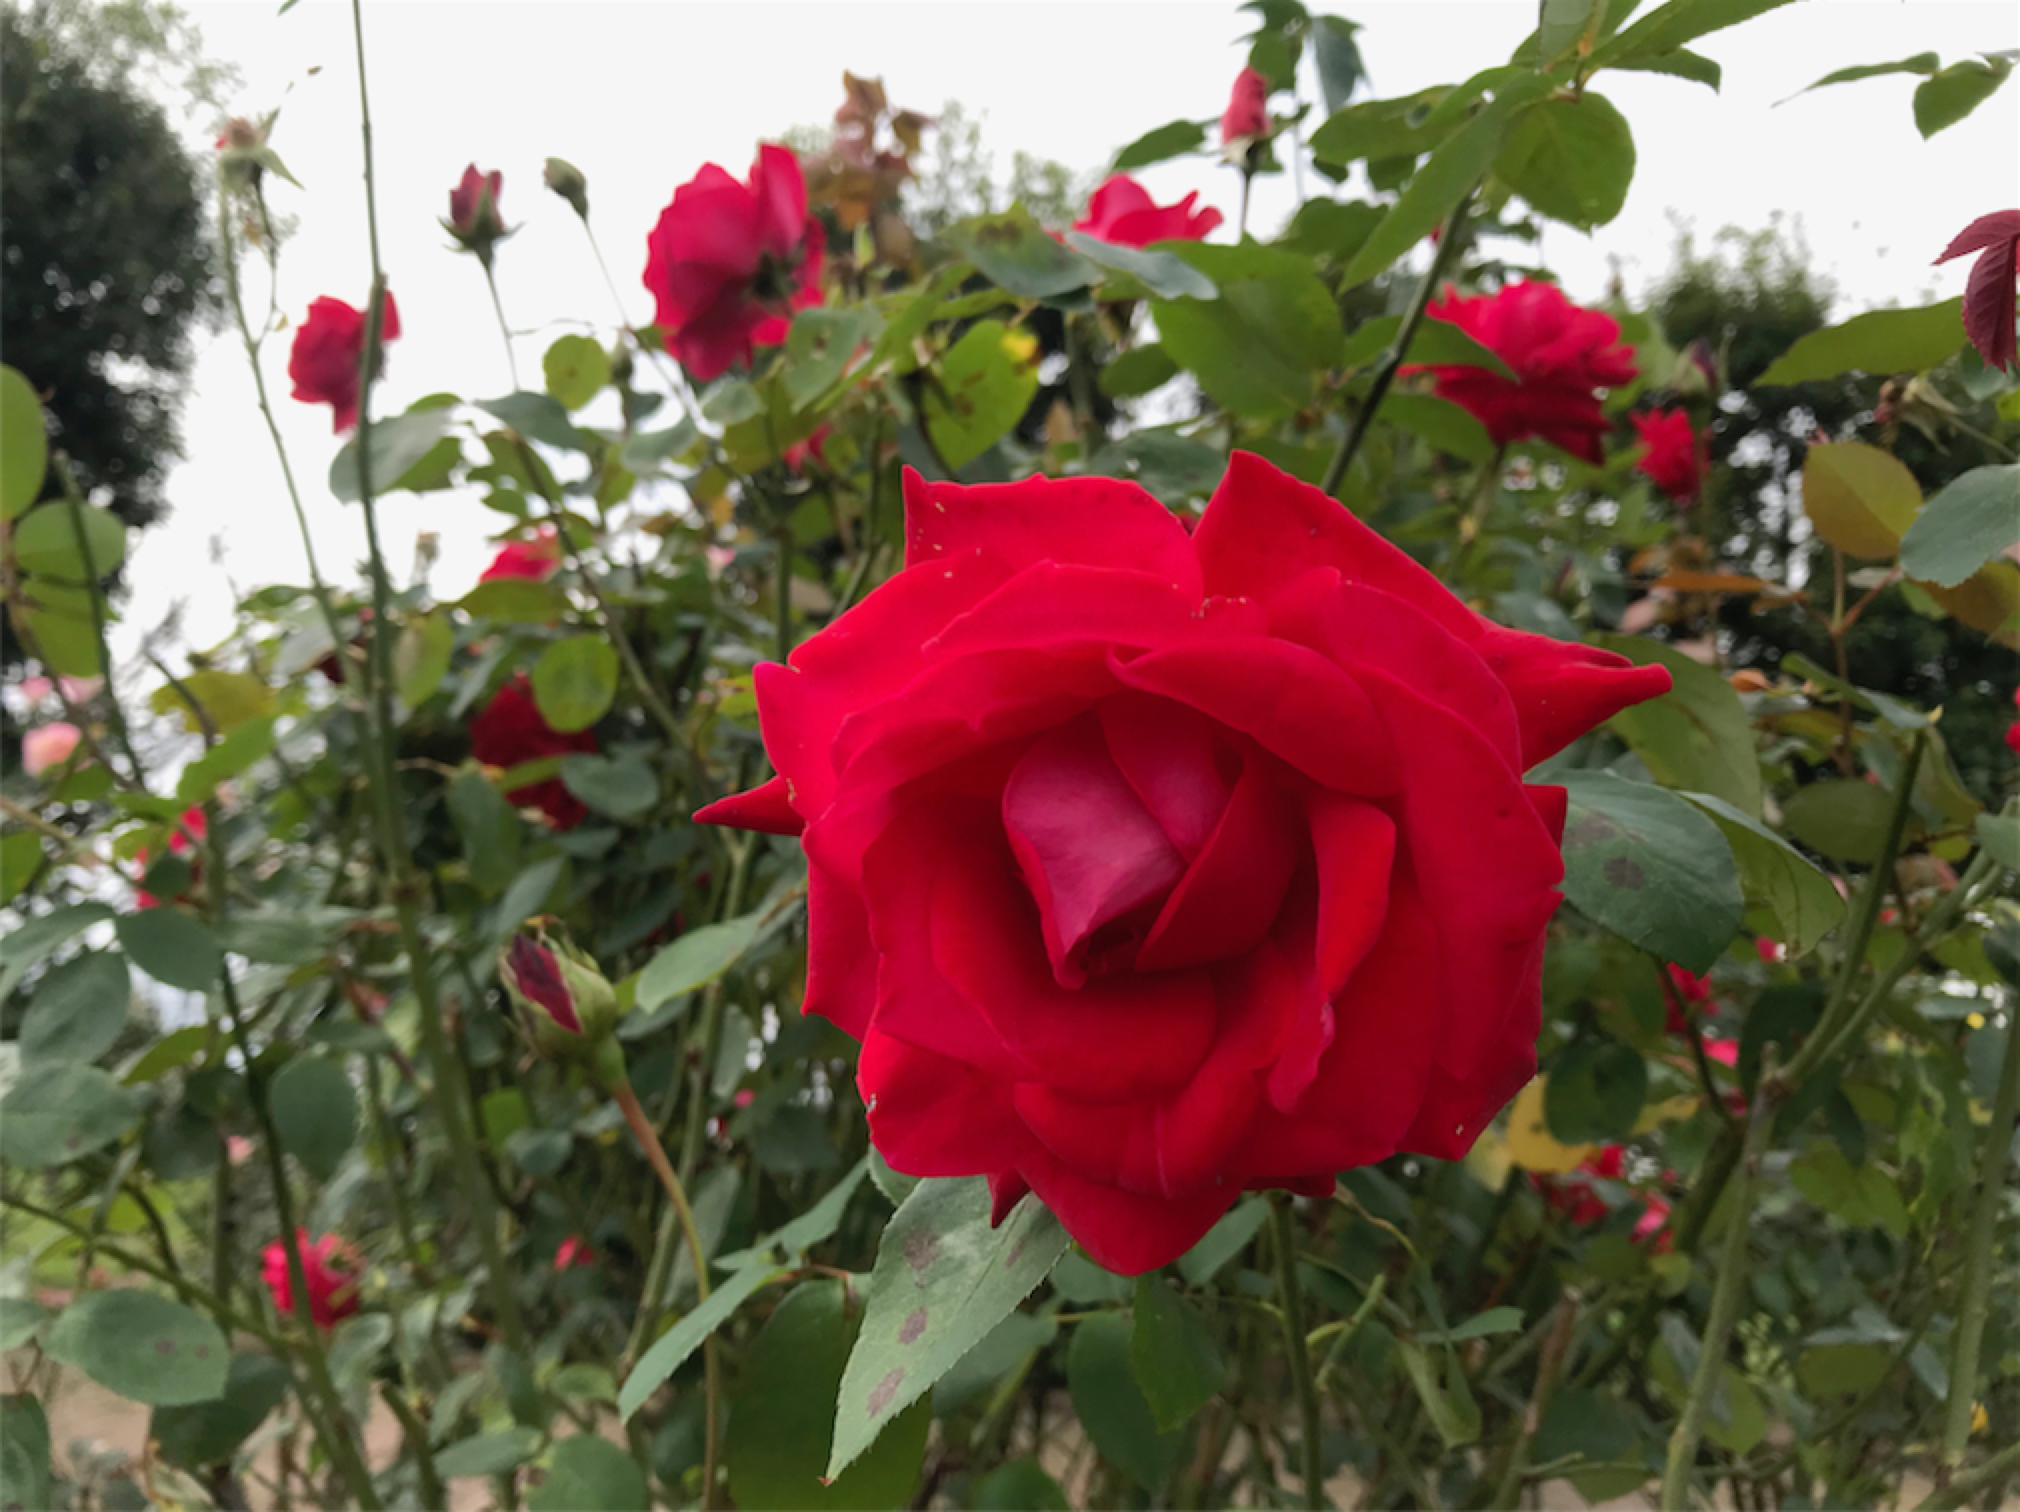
[174,947]
[78,1010]
[1951,94]
[986,382]
[1161,273]
[1570,158]
[1860,499]
[538,417]
[1805,904]
[143,1347]
[1013,251]
[1177,1363]
[1879,341]
[421,658]
[694,960]
[1840,818]
[1697,735]
[590,1474]
[1167,141]
[1973,519]
[46,542]
[62,1113]
[400,443]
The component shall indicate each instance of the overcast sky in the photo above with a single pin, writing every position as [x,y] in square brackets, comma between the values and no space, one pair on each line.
[640,95]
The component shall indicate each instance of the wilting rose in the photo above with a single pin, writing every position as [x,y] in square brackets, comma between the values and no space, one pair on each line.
[190,832]
[474,219]
[1989,294]
[329,1265]
[1674,461]
[1150,866]
[537,557]
[328,352]
[1247,116]
[48,746]
[510,732]
[1559,352]
[728,263]
[1122,213]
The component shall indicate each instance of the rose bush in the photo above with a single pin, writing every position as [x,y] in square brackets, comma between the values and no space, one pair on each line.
[1127,845]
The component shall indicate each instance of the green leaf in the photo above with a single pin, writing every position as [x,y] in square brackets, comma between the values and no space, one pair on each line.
[644,452]
[1805,904]
[24,1435]
[590,1474]
[64,629]
[694,960]
[1442,423]
[400,443]
[1258,348]
[20,855]
[1161,273]
[1177,1364]
[1013,251]
[1383,129]
[1971,520]
[199,1434]
[1138,371]
[1643,863]
[276,937]
[63,1112]
[749,1269]
[1226,1239]
[27,947]
[1571,158]
[538,418]
[1846,1369]
[1594,1092]
[1338,57]
[1331,228]
[1697,735]
[732,402]
[1451,1407]
[1840,818]
[942,1280]
[1563,23]
[1877,342]
[236,754]
[78,1010]
[171,946]
[143,1347]
[621,787]
[1433,192]
[421,657]
[1863,1197]
[576,369]
[1173,467]
[784,1415]
[1435,342]
[1948,96]
[228,699]
[2000,834]
[24,446]
[489,830]
[315,1111]
[1111,1406]
[1681,64]
[1019,1486]
[1495,1320]
[515,601]
[1921,63]
[1860,499]
[1670,26]
[489,1453]
[985,384]
[45,542]
[1167,141]
[574,682]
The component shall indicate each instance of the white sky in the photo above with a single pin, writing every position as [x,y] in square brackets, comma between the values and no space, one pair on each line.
[639,95]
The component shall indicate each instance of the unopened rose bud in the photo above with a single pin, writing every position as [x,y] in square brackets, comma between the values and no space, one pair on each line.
[569,1005]
[566,180]
[474,219]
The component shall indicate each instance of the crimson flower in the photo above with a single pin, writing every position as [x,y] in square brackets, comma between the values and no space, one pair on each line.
[474,219]
[728,263]
[1989,296]
[1674,461]
[510,731]
[1117,914]
[537,558]
[573,1251]
[1122,213]
[329,1265]
[1580,1201]
[190,831]
[329,349]
[1560,353]
[1247,116]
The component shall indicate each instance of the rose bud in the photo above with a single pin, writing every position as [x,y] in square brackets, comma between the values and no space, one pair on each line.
[570,1008]
[566,180]
[473,213]
[1246,120]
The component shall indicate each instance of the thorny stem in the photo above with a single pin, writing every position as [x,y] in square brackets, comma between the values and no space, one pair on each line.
[1284,1236]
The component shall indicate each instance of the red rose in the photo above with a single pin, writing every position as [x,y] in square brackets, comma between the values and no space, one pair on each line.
[573,1251]
[1122,213]
[329,1265]
[1989,296]
[510,731]
[537,558]
[1580,1201]
[1147,865]
[728,263]
[1248,109]
[1559,352]
[473,211]
[1674,462]
[815,446]
[190,832]
[328,351]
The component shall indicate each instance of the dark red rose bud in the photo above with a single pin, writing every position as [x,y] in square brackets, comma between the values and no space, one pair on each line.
[474,219]
[532,974]
[1248,110]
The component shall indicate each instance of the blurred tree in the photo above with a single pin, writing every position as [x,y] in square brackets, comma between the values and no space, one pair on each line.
[104,255]
[1751,298]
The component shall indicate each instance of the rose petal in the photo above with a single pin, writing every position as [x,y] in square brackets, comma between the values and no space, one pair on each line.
[764,808]
[1125,1232]
[1170,758]
[1230,895]
[1562,689]
[841,957]
[933,1116]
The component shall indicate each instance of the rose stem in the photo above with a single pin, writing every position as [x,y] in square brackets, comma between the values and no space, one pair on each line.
[1284,1236]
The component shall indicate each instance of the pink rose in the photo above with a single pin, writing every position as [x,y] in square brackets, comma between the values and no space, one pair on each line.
[48,746]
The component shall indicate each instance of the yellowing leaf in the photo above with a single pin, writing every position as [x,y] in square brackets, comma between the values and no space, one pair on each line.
[1860,499]
[1530,1144]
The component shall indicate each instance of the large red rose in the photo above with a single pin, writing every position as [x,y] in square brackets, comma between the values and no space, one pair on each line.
[329,349]
[1122,213]
[1559,352]
[1674,461]
[728,263]
[510,731]
[537,557]
[1150,866]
